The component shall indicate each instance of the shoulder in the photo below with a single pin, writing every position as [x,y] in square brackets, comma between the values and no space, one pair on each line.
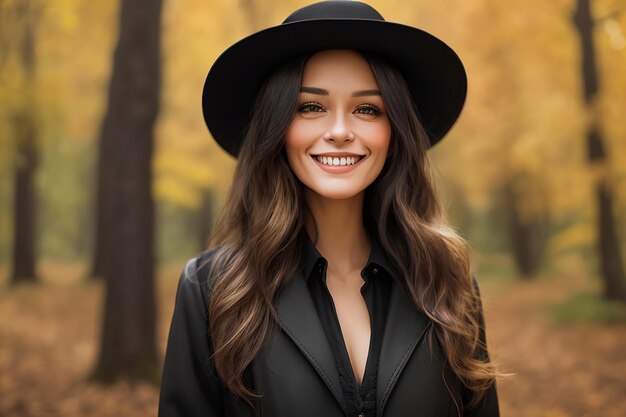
[195,279]
[478,304]
[475,285]
[198,268]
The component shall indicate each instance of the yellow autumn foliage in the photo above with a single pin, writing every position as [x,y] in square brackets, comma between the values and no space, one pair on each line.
[523,124]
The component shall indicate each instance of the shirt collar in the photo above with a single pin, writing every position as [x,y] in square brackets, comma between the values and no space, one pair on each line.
[377,260]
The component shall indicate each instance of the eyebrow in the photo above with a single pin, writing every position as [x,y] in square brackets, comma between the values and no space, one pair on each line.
[322,92]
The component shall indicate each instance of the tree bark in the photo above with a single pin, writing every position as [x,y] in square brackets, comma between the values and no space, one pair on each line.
[100,224]
[24,232]
[611,263]
[128,346]
[103,185]
[528,237]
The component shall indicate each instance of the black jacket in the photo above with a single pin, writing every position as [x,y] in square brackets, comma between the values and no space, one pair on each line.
[296,371]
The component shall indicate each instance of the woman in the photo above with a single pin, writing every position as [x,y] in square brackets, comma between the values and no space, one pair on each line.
[332,287]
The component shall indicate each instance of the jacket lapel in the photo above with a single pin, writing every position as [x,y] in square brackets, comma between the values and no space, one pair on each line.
[298,318]
[404,328]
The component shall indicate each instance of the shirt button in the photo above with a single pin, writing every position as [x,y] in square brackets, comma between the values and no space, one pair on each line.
[374,270]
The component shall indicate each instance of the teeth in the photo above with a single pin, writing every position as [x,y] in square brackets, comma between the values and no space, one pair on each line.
[336,161]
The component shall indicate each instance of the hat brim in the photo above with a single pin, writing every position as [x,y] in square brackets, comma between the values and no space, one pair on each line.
[432,70]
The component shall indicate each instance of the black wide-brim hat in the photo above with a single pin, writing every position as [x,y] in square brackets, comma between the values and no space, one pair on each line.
[433,71]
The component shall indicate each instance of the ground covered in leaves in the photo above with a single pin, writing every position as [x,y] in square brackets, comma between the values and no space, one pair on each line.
[565,363]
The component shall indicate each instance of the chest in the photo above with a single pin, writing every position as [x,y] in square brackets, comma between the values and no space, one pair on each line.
[296,380]
[353,316]
[296,371]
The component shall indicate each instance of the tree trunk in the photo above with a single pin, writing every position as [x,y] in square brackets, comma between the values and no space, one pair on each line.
[611,263]
[528,236]
[24,232]
[100,200]
[98,237]
[128,346]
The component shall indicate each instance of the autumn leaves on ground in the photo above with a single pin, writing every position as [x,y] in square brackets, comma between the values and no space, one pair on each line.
[564,363]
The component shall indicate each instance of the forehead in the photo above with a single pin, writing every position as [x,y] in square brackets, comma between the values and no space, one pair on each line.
[338,66]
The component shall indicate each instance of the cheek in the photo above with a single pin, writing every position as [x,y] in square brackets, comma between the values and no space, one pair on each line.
[295,139]
[291,142]
[379,140]
[295,145]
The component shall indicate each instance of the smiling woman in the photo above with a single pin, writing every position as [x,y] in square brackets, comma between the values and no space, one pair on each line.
[337,142]
[332,286]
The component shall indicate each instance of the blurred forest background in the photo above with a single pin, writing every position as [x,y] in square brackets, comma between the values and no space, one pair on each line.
[102,139]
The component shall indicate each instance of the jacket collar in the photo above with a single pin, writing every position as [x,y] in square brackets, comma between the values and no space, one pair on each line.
[404,328]
[311,258]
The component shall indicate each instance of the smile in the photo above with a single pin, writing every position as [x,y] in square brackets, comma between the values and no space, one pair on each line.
[338,160]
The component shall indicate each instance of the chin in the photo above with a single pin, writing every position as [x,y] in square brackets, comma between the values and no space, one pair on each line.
[336,193]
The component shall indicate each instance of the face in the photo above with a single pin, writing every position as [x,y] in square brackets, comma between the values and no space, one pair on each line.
[338,140]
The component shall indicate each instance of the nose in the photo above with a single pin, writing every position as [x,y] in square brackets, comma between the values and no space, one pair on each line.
[339,130]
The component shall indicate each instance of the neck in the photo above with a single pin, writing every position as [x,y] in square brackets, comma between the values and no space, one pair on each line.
[341,235]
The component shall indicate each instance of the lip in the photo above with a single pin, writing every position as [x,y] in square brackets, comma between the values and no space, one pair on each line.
[340,169]
[338,154]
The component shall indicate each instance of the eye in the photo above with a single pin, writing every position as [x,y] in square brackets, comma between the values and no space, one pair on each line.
[368,109]
[310,107]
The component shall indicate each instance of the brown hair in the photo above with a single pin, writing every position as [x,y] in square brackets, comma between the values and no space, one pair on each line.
[258,236]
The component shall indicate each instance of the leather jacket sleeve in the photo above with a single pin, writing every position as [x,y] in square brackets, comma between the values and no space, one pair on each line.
[488,406]
[189,385]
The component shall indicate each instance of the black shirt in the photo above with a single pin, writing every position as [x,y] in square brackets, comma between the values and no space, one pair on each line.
[358,401]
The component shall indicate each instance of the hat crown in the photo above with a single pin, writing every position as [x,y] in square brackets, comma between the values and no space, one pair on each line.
[335,9]
[434,74]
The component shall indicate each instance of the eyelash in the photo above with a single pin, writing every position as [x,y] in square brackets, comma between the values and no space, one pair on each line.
[309,105]
[374,110]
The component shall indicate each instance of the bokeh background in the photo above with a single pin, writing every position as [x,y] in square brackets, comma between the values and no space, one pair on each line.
[533,175]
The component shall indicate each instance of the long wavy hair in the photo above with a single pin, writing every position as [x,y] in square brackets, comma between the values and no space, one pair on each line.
[258,236]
